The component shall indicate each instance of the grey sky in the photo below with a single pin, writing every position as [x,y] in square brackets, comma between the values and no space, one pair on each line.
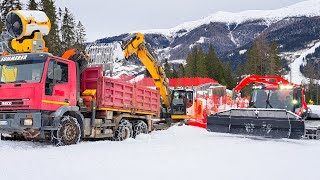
[111,17]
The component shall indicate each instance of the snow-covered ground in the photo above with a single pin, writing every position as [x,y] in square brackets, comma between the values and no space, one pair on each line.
[178,153]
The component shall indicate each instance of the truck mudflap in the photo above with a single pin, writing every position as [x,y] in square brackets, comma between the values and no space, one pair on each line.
[269,123]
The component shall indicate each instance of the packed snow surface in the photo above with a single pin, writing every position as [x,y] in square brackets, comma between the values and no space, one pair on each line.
[178,153]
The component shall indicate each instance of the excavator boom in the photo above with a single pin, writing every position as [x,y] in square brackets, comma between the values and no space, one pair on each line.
[135,45]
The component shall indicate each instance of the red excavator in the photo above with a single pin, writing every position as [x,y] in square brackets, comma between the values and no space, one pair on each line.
[277,109]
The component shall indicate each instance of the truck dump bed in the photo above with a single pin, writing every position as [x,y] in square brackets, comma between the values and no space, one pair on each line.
[117,95]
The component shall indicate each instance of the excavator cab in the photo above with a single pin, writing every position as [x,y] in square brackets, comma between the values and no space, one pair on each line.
[182,100]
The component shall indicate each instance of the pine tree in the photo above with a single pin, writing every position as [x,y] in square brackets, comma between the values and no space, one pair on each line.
[263,59]
[228,76]
[52,40]
[60,13]
[5,7]
[241,70]
[191,67]
[174,72]
[259,58]
[32,5]
[213,65]
[201,65]
[80,35]
[59,18]
[252,65]
[167,69]
[264,53]
[275,61]
[8,5]
[181,71]
[68,30]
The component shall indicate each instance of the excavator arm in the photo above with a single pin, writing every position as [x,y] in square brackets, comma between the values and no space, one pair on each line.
[135,45]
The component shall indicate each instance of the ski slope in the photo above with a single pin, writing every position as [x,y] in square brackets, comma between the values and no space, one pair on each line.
[296,75]
[178,153]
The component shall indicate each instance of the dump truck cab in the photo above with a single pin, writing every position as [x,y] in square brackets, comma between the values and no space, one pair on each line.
[44,97]
[62,99]
[31,86]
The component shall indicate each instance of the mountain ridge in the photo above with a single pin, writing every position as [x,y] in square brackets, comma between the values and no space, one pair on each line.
[292,27]
[308,8]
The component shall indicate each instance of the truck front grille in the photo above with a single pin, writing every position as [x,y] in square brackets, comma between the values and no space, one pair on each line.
[13,103]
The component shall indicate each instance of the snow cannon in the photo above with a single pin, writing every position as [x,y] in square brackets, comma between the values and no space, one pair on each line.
[27,29]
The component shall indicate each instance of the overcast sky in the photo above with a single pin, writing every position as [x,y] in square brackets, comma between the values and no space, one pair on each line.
[112,17]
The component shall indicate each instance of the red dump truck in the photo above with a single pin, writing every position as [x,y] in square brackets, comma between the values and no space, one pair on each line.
[44,97]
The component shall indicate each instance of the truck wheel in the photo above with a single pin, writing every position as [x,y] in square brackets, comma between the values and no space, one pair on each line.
[140,127]
[124,131]
[68,133]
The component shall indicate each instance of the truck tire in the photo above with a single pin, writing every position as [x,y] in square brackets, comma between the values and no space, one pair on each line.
[140,127]
[68,133]
[124,131]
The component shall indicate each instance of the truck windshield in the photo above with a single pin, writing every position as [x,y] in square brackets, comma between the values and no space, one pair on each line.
[21,71]
[277,99]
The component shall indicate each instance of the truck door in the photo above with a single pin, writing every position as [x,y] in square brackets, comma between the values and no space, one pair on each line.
[57,85]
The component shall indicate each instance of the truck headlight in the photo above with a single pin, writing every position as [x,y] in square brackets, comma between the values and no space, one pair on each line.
[27,122]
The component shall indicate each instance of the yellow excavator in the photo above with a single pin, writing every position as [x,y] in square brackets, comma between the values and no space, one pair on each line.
[177,103]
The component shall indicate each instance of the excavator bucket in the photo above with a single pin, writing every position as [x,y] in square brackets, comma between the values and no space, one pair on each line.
[269,123]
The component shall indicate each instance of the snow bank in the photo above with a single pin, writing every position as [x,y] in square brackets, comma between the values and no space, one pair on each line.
[178,153]
[314,111]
